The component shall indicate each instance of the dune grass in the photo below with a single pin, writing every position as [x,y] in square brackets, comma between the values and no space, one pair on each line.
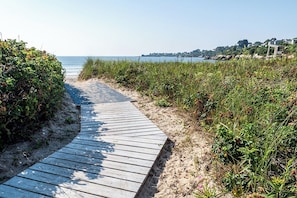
[250,106]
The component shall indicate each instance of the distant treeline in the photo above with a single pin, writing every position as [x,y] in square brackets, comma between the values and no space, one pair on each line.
[286,46]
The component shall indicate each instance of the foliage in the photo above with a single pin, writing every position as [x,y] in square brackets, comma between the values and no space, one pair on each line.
[31,86]
[242,47]
[250,106]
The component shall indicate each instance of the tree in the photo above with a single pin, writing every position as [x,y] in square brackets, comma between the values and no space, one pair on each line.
[257,43]
[243,43]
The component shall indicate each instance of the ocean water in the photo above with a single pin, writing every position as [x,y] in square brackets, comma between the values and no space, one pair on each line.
[73,64]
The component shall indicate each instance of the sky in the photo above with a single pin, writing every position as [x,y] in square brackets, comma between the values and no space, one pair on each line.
[136,27]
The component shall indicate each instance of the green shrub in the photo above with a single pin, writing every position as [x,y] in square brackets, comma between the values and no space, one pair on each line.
[31,87]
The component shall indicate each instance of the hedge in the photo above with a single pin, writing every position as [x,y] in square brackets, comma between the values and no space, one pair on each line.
[31,87]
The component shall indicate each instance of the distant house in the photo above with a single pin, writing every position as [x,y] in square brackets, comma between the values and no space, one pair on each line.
[291,41]
[273,41]
[278,42]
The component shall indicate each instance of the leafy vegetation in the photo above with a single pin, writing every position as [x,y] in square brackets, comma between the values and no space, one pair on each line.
[31,87]
[250,106]
[243,47]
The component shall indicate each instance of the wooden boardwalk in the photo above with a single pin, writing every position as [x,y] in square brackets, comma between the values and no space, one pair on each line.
[110,157]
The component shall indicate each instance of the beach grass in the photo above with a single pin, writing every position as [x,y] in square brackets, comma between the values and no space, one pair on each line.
[249,105]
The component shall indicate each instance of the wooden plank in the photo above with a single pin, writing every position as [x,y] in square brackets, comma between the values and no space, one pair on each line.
[115,115]
[102,114]
[9,192]
[141,134]
[46,189]
[133,134]
[88,177]
[119,130]
[131,154]
[114,105]
[121,144]
[76,184]
[113,121]
[101,163]
[32,186]
[110,157]
[97,136]
[110,107]
[159,140]
[121,104]
[113,108]
[104,118]
[123,127]
[69,193]
[134,177]
[129,112]
[131,148]
[117,124]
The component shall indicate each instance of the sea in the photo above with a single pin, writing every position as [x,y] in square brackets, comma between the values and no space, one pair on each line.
[74,64]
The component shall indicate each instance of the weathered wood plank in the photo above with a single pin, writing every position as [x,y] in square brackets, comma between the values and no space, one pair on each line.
[118,124]
[116,129]
[9,192]
[87,186]
[116,114]
[33,186]
[105,137]
[113,121]
[142,134]
[88,177]
[135,134]
[125,104]
[158,140]
[131,148]
[121,144]
[90,119]
[46,189]
[101,162]
[110,107]
[99,117]
[102,171]
[131,154]
[109,157]
[135,129]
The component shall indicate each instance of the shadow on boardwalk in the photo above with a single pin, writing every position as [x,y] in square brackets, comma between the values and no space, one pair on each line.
[75,166]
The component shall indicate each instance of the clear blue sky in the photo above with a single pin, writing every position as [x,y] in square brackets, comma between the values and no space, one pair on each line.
[135,27]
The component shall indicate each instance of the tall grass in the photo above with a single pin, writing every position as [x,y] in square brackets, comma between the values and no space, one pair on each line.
[250,106]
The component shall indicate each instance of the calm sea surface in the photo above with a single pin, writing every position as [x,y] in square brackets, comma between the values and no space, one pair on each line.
[73,64]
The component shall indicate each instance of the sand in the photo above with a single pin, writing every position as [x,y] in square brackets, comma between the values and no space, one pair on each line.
[183,168]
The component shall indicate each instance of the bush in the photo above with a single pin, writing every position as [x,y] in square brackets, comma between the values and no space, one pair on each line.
[31,86]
